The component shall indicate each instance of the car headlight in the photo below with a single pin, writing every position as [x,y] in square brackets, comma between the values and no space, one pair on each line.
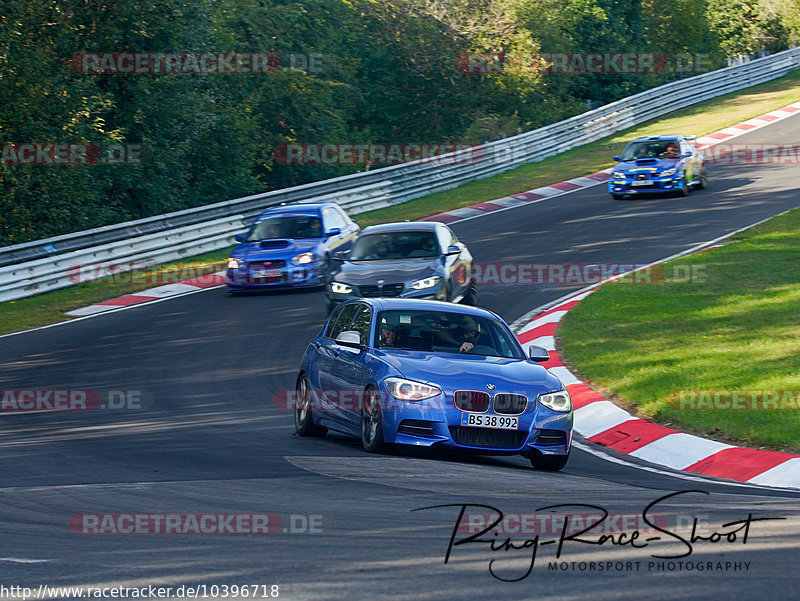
[425,283]
[557,401]
[339,288]
[618,175]
[668,172]
[409,390]
[304,258]
[235,263]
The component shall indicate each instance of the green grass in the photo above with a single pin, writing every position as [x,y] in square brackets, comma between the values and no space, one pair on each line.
[44,309]
[699,119]
[737,330]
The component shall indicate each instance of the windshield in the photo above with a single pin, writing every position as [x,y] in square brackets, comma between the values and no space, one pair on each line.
[395,245]
[287,226]
[445,332]
[654,149]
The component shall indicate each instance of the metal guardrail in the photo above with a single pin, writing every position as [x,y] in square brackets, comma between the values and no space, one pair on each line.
[382,187]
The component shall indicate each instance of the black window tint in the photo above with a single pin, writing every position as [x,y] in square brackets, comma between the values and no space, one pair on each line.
[361,322]
[332,322]
[343,322]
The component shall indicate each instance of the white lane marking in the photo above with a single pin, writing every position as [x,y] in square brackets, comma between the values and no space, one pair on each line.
[22,560]
[165,290]
[583,182]
[784,474]
[553,317]
[464,212]
[566,376]
[680,450]
[91,310]
[598,417]
[546,342]
[549,191]
[507,201]
[606,457]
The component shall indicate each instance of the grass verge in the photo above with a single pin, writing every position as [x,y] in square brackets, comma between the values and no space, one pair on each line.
[736,327]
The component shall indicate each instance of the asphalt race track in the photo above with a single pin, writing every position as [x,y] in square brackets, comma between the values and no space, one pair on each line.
[208,439]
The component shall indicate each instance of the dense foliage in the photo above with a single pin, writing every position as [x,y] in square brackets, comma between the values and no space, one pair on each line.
[388,75]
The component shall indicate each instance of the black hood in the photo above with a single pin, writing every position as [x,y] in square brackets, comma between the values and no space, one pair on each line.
[391,270]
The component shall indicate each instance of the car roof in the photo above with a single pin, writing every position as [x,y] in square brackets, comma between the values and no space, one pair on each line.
[415,304]
[306,208]
[401,227]
[658,138]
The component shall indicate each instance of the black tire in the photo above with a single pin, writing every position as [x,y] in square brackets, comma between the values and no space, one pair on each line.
[618,196]
[703,183]
[372,422]
[326,271]
[470,296]
[303,419]
[684,191]
[549,463]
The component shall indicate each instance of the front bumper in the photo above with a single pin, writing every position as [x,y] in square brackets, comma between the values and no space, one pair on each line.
[437,422]
[653,185]
[310,274]
[438,292]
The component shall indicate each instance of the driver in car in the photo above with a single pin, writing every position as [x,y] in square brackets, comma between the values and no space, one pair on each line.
[388,334]
[671,152]
[465,336]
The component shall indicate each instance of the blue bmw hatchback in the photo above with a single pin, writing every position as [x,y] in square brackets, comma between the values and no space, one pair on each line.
[290,245]
[431,373]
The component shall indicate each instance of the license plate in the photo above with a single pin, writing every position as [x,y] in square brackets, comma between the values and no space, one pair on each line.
[482,420]
[267,273]
[641,182]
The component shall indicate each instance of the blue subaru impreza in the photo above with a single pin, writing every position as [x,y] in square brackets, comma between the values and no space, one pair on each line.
[431,373]
[290,245]
[658,164]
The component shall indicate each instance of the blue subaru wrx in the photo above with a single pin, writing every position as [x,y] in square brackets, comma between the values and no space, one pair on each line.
[290,245]
[658,164]
[434,374]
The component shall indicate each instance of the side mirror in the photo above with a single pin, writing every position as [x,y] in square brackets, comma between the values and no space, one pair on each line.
[688,153]
[239,237]
[335,231]
[617,158]
[350,338]
[453,250]
[340,255]
[538,354]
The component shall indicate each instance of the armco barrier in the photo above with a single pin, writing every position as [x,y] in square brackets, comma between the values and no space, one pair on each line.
[378,188]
